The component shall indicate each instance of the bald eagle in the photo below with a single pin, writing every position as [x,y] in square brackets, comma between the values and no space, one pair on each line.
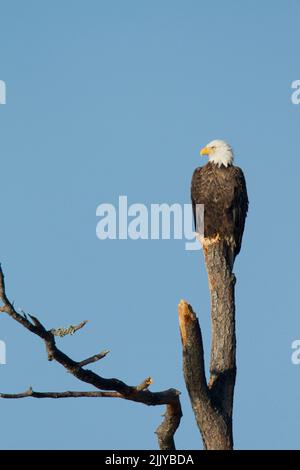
[221,187]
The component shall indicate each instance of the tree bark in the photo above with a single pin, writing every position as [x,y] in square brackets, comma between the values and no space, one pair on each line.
[212,402]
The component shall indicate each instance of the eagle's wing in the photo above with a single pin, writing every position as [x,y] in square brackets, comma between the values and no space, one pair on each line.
[196,191]
[239,206]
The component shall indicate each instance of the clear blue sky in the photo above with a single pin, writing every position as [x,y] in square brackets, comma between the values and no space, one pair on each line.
[112,97]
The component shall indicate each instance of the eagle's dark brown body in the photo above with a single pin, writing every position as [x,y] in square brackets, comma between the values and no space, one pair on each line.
[223,192]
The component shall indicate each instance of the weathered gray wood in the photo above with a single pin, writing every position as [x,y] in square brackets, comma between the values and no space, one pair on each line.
[213,402]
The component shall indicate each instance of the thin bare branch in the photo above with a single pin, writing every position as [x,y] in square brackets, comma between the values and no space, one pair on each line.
[2,289]
[112,387]
[36,322]
[68,331]
[68,394]
[144,397]
[94,358]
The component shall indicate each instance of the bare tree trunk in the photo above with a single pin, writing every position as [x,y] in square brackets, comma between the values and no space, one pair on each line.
[212,403]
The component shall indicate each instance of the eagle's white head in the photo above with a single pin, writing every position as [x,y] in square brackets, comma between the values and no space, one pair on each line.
[219,152]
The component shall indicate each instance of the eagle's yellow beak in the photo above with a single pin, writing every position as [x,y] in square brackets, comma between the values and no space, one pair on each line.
[205,151]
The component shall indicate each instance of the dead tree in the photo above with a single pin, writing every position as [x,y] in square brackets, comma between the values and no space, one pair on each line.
[212,402]
[105,388]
